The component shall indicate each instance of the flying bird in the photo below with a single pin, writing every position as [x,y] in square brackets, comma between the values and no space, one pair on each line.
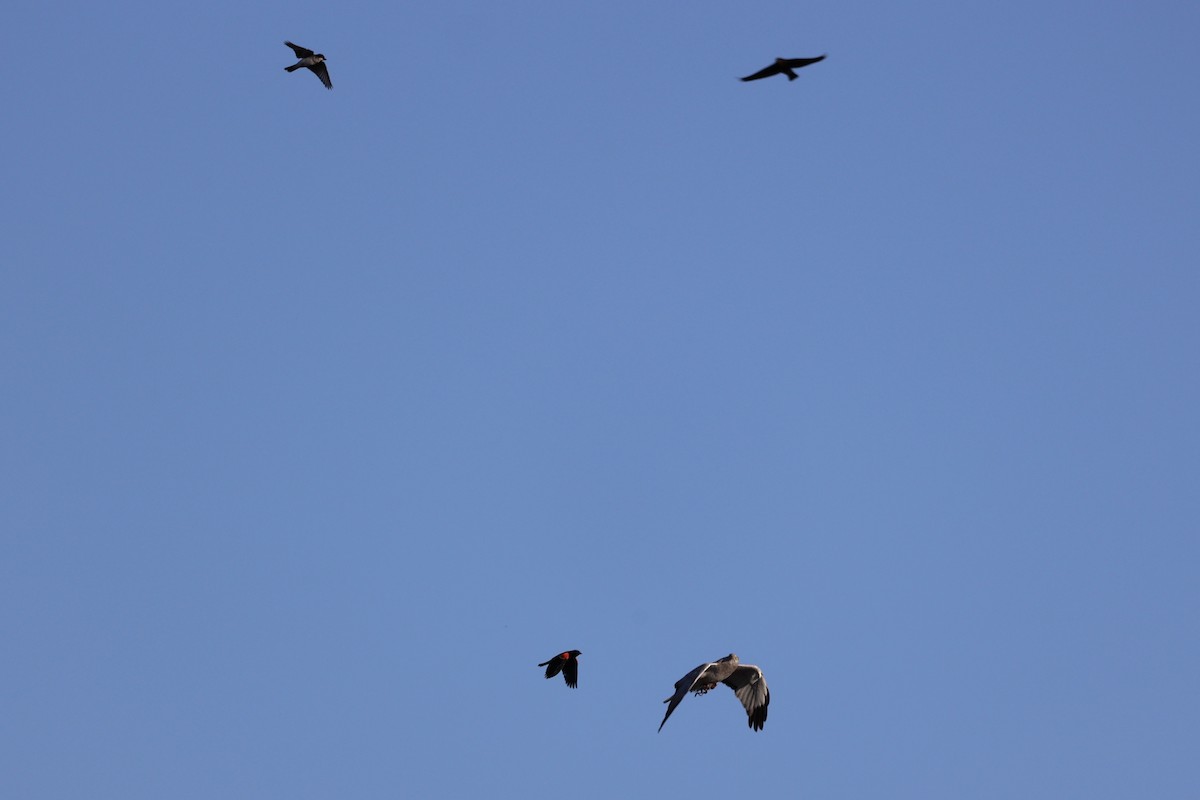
[566,662]
[784,66]
[746,680]
[314,61]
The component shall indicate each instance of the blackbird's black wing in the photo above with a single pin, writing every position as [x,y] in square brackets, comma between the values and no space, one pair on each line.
[570,672]
[553,666]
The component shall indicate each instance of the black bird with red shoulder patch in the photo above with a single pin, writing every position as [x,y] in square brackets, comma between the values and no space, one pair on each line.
[566,662]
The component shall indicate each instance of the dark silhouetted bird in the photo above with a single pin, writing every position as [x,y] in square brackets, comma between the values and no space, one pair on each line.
[784,66]
[566,662]
[314,61]
[746,680]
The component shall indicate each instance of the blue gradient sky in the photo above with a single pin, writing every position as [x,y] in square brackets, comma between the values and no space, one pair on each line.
[327,415]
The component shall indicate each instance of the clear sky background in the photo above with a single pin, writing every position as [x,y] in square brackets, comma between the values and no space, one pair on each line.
[326,416]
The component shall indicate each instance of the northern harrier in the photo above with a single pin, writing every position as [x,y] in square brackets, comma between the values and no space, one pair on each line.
[746,680]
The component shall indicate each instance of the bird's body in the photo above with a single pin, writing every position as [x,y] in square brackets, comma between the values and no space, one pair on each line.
[311,60]
[746,680]
[566,662]
[784,66]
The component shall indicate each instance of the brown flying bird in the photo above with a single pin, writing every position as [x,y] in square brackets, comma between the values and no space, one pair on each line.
[314,61]
[784,66]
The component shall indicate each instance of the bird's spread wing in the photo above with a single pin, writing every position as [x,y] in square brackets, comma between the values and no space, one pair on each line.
[797,63]
[750,686]
[323,74]
[552,666]
[301,52]
[682,687]
[765,72]
[571,672]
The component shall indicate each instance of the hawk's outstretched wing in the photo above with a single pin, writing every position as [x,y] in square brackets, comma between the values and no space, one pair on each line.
[682,687]
[750,686]
[766,72]
[797,63]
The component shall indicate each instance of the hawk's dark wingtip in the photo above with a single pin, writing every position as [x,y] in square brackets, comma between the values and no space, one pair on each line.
[758,718]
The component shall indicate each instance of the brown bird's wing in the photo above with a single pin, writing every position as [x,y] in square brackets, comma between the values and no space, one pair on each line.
[765,72]
[570,671]
[323,74]
[797,63]
[301,52]
[750,686]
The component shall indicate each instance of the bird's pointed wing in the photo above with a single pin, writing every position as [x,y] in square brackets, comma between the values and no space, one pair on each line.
[301,52]
[323,74]
[571,672]
[797,63]
[552,666]
[765,72]
[750,686]
[682,687]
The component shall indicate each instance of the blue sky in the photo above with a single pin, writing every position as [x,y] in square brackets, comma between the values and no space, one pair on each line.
[328,415]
